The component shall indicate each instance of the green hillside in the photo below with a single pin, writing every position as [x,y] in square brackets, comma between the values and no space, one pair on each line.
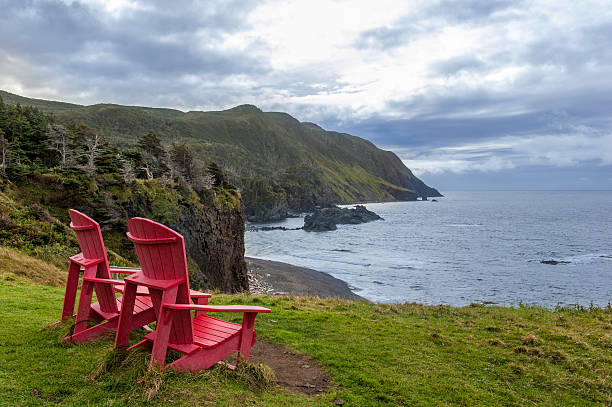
[374,355]
[47,168]
[278,162]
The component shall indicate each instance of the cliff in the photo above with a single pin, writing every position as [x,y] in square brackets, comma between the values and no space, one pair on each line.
[37,186]
[34,218]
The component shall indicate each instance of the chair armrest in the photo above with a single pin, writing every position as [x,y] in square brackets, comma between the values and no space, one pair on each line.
[103,280]
[216,308]
[140,279]
[198,294]
[124,270]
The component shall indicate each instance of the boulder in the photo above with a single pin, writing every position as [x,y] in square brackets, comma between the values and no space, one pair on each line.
[327,218]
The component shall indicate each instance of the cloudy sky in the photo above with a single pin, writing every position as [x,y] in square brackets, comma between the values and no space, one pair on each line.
[470,94]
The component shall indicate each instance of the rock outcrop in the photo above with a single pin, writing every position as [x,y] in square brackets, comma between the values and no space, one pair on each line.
[327,218]
[214,239]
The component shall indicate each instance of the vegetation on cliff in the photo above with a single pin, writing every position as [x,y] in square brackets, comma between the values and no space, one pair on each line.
[279,163]
[47,167]
[375,354]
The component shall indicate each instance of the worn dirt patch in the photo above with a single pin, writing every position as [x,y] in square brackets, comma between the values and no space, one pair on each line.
[295,372]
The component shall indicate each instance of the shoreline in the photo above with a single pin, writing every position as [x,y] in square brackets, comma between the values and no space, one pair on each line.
[277,278]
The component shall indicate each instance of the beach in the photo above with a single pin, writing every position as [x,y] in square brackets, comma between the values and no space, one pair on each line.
[276,278]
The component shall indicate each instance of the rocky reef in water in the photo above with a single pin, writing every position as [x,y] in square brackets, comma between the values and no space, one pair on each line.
[325,219]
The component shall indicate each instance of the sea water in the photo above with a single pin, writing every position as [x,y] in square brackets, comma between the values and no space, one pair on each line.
[467,247]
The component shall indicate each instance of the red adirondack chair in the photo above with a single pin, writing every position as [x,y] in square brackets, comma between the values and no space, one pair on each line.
[203,340]
[93,262]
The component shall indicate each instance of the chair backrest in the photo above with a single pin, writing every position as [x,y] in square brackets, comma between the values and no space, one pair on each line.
[161,253]
[90,240]
[89,236]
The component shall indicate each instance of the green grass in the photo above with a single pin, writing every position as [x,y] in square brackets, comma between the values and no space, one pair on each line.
[375,354]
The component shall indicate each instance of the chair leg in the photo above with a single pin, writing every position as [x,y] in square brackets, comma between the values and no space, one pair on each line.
[94,331]
[246,335]
[71,289]
[84,307]
[125,318]
[162,335]
[163,328]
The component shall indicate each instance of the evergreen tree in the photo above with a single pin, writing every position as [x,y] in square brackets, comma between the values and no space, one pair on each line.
[3,151]
[154,156]
[182,160]
[92,146]
[109,159]
[220,178]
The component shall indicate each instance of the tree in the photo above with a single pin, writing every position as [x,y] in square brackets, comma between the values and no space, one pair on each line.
[3,152]
[127,170]
[60,141]
[93,145]
[154,156]
[220,178]
[182,160]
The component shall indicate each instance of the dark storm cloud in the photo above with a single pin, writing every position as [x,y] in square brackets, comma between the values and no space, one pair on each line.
[484,81]
[79,47]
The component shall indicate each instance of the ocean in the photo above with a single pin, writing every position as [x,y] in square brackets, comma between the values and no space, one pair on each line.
[469,247]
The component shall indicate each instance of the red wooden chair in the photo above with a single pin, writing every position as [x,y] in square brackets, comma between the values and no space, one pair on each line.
[203,340]
[93,262]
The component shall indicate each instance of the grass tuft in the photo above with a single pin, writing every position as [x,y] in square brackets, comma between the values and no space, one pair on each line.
[497,342]
[109,363]
[257,375]
[531,340]
[56,333]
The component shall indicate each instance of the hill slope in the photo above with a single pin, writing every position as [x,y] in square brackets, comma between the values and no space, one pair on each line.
[278,162]
[375,355]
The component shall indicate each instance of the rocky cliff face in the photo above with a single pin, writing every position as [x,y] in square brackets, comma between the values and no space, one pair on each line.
[214,239]
[212,223]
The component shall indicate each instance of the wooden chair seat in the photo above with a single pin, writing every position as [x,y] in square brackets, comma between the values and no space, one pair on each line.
[141,304]
[142,290]
[208,332]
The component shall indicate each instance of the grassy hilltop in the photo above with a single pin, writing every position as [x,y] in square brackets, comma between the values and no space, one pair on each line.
[375,354]
[278,162]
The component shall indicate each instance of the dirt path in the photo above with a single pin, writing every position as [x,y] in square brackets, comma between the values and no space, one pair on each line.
[295,372]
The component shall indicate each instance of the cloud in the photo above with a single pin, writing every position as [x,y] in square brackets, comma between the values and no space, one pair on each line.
[418,76]
[571,146]
[127,51]
[457,64]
